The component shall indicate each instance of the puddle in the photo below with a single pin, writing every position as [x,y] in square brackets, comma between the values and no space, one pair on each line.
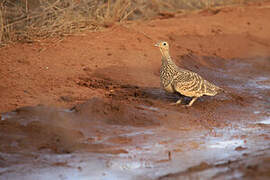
[266,121]
[151,153]
[226,144]
[260,82]
[130,164]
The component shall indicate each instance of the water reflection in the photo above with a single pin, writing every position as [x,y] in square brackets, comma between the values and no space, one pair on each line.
[266,121]
[227,143]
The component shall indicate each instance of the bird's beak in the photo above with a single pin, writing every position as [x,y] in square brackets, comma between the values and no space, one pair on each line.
[157,45]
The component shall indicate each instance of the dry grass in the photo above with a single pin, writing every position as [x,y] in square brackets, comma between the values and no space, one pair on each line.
[1,25]
[26,20]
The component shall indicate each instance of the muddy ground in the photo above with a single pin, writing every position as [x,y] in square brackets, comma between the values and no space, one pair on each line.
[90,106]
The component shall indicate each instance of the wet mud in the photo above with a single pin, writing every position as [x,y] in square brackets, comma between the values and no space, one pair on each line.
[134,133]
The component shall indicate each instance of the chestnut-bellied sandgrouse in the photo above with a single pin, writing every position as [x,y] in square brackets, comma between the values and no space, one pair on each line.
[188,83]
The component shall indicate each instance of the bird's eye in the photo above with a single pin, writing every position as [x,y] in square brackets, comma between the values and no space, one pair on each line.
[164,44]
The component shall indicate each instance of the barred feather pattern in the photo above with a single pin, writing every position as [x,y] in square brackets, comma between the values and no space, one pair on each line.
[188,83]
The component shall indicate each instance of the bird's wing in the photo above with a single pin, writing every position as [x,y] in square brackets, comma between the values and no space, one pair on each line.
[189,83]
[192,84]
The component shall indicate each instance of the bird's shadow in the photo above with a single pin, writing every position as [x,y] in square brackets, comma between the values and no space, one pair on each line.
[157,93]
[122,91]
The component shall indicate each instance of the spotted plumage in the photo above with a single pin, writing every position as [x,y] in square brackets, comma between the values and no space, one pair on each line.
[175,79]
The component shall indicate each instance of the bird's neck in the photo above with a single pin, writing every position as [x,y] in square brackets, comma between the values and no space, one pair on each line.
[166,56]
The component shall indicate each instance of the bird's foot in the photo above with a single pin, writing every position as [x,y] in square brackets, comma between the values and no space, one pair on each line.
[176,103]
[187,105]
[191,102]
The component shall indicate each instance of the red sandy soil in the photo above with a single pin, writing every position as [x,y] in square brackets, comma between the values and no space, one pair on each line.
[112,78]
[50,73]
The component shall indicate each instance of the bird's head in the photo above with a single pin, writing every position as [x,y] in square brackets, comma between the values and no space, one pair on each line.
[164,49]
[163,45]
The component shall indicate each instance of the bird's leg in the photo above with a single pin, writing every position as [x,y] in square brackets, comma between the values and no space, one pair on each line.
[192,101]
[177,102]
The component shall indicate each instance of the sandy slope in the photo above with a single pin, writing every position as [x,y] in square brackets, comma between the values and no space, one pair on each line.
[48,72]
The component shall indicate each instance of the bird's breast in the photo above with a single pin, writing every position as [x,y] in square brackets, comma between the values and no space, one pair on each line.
[169,88]
[165,80]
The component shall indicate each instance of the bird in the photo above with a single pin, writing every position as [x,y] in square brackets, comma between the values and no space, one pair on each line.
[178,80]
